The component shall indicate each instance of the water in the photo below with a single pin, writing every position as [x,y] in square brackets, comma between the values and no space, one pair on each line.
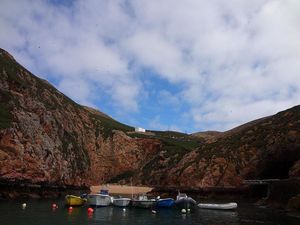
[39,212]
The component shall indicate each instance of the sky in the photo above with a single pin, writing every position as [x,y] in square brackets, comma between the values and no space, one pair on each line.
[188,66]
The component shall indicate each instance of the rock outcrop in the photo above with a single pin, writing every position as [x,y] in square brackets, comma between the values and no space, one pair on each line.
[266,149]
[48,139]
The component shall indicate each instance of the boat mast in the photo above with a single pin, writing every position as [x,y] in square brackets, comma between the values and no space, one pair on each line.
[131,188]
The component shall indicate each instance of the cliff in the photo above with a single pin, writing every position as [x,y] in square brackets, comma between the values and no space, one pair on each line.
[266,149]
[48,139]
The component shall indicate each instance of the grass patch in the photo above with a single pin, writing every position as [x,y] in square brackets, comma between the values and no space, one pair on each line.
[12,69]
[105,125]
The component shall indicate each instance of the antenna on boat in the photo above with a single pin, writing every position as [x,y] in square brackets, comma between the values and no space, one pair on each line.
[131,188]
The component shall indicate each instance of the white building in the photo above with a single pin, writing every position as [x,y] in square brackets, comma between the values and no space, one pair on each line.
[139,129]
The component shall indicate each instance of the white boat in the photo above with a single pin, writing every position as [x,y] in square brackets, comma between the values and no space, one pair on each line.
[122,202]
[142,201]
[225,206]
[101,199]
[184,202]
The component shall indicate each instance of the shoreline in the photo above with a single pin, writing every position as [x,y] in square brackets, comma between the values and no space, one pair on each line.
[21,189]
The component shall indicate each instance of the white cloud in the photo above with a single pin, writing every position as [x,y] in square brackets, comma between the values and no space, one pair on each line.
[151,49]
[79,89]
[234,60]
[70,44]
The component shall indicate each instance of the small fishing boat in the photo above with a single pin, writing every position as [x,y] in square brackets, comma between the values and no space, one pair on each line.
[101,199]
[122,202]
[73,200]
[225,206]
[142,201]
[165,202]
[184,202]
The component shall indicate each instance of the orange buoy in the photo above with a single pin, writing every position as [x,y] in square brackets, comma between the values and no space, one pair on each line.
[90,210]
[70,208]
[54,206]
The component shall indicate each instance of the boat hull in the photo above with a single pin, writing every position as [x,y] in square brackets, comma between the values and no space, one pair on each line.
[165,203]
[226,206]
[72,200]
[121,202]
[185,203]
[99,200]
[145,204]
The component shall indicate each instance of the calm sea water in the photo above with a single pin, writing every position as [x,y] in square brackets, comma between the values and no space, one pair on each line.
[39,212]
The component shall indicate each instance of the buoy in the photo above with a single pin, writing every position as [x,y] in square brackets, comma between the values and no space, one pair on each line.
[153,212]
[24,205]
[54,206]
[70,208]
[183,211]
[90,210]
[124,210]
[189,210]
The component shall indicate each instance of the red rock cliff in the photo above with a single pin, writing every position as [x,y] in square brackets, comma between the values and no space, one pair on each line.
[46,138]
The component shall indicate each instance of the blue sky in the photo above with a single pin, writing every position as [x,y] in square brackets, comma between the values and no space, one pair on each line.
[166,65]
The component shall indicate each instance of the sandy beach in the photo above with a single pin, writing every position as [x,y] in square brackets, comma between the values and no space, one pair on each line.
[121,189]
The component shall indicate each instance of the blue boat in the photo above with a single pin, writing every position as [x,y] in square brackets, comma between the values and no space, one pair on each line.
[165,203]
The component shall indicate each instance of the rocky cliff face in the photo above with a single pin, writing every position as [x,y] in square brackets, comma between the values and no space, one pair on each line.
[46,138]
[268,148]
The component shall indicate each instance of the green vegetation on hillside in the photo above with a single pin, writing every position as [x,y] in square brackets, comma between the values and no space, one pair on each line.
[106,125]
[174,145]
[12,69]
[173,142]
[5,116]
[5,108]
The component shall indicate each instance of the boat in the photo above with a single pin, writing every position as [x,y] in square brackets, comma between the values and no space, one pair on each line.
[165,203]
[184,202]
[122,202]
[224,206]
[142,201]
[73,200]
[100,199]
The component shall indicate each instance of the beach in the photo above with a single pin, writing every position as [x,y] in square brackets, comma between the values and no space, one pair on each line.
[121,189]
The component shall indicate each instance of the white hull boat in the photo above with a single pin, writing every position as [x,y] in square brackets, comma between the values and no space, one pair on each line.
[225,206]
[101,199]
[142,201]
[121,202]
[98,200]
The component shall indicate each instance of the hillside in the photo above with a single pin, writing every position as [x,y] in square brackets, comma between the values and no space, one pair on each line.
[48,139]
[264,149]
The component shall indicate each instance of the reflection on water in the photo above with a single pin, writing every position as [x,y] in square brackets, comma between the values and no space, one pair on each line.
[103,214]
[219,216]
[41,213]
